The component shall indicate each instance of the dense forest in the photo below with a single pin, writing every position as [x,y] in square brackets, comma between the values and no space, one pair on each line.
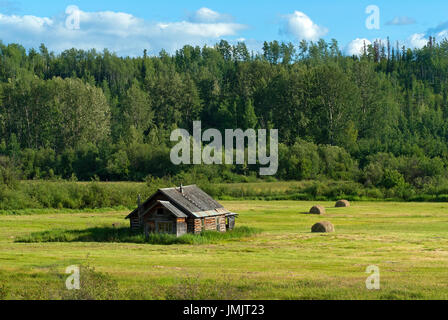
[379,119]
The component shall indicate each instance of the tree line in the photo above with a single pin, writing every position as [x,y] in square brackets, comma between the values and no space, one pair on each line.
[379,118]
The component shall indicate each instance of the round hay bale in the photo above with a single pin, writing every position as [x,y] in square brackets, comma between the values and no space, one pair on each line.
[342,204]
[323,227]
[317,210]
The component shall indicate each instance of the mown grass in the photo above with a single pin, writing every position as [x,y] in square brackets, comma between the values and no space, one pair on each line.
[407,241]
[125,235]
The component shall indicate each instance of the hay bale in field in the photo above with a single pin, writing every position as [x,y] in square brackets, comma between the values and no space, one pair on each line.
[342,204]
[317,210]
[323,227]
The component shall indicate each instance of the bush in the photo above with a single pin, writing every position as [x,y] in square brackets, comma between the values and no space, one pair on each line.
[337,163]
[393,178]
[8,173]
[414,170]
[299,161]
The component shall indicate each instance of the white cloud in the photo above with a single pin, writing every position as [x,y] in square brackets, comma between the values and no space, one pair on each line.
[438,31]
[25,23]
[206,15]
[356,47]
[302,27]
[204,30]
[442,35]
[120,32]
[417,40]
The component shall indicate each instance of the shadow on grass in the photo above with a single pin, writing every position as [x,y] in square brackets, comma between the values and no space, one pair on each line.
[125,235]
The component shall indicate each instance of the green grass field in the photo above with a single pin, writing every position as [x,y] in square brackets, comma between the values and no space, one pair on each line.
[407,241]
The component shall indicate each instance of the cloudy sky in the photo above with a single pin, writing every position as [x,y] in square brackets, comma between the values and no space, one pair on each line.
[128,27]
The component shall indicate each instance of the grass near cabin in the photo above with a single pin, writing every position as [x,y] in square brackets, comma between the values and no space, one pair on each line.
[125,235]
[407,241]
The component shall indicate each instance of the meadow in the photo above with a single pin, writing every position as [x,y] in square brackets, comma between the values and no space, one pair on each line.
[407,241]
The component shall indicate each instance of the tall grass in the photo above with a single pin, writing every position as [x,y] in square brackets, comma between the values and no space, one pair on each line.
[94,285]
[71,195]
[125,235]
[41,195]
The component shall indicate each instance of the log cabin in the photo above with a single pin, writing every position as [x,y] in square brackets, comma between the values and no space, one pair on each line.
[179,211]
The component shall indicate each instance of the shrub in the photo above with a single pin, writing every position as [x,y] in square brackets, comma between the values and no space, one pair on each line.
[392,178]
[337,163]
[8,173]
[300,161]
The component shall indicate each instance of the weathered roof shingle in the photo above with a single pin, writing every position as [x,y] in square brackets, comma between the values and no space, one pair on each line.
[187,200]
[192,198]
[167,205]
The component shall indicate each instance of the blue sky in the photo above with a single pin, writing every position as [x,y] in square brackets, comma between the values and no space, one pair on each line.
[128,27]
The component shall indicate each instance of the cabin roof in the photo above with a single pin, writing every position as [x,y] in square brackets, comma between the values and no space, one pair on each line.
[167,205]
[189,199]
[192,198]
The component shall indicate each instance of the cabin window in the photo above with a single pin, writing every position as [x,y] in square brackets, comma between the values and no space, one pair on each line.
[165,227]
[160,212]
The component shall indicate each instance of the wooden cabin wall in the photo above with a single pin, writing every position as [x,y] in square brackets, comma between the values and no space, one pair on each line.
[155,218]
[194,225]
[210,224]
[198,225]
[222,224]
[181,227]
[231,225]
[189,225]
[135,223]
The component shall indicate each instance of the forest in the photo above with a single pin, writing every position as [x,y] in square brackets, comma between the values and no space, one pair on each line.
[379,119]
